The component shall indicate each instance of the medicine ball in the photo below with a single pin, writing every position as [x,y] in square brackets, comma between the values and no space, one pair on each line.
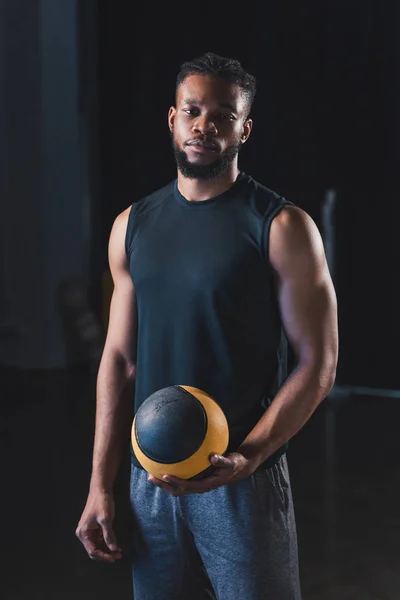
[176,429]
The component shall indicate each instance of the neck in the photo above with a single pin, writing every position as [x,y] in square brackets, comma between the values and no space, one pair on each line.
[200,189]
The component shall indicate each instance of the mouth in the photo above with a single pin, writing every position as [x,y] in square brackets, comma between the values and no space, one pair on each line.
[202,146]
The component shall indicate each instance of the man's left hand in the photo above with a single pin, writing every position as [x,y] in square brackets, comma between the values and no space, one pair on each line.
[229,468]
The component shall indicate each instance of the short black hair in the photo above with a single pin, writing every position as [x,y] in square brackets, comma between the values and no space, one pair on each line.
[229,69]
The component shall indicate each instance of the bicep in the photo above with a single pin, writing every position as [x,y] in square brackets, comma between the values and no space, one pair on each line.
[121,337]
[306,295]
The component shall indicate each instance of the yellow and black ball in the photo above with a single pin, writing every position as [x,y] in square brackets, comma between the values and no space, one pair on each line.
[176,429]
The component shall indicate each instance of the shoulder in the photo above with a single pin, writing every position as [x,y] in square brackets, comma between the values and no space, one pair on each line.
[295,238]
[294,220]
[120,223]
[116,244]
[295,225]
[121,220]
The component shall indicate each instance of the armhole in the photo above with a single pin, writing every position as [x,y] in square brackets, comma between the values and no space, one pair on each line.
[128,234]
[282,203]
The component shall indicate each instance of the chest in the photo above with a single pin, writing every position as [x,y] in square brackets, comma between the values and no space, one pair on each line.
[196,256]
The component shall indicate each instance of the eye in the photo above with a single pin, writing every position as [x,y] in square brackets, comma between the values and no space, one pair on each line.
[191,111]
[226,117]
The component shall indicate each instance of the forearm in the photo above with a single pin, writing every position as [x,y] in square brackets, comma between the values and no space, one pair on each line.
[291,408]
[114,413]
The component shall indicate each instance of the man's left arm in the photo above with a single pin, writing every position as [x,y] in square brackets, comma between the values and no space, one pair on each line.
[308,308]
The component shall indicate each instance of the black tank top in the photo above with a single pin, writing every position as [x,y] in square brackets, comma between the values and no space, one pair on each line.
[207,313]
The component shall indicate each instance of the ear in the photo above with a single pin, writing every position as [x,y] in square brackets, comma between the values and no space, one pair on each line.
[247,127]
[171,117]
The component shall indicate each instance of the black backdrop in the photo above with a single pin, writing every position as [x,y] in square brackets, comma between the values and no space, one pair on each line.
[326,116]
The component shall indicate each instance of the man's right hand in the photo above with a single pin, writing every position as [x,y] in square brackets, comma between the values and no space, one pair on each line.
[95,529]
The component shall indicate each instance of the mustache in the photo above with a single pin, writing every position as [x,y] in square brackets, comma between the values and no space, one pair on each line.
[200,142]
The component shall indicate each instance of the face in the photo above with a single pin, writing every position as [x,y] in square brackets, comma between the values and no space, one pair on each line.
[208,126]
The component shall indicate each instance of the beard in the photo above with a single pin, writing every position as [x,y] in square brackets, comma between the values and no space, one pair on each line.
[209,171]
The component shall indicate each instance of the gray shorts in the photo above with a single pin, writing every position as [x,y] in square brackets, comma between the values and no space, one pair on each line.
[237,542]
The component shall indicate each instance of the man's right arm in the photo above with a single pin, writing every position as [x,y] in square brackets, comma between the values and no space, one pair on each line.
[117,368]
[114,404]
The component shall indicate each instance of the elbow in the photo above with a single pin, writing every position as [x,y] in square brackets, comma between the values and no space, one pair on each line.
[330,379]
[129,369]
[326,377]
[124,365]
[321,376]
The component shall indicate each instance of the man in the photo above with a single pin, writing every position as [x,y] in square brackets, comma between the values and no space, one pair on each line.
[212,274]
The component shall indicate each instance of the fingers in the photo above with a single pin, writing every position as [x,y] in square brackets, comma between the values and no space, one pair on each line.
[168,486]
[109,535]
[93,539]
[181,487]
[222,474]
[221,461]
[97,554]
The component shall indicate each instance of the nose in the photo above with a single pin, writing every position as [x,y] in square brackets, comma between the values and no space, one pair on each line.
[204,125]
